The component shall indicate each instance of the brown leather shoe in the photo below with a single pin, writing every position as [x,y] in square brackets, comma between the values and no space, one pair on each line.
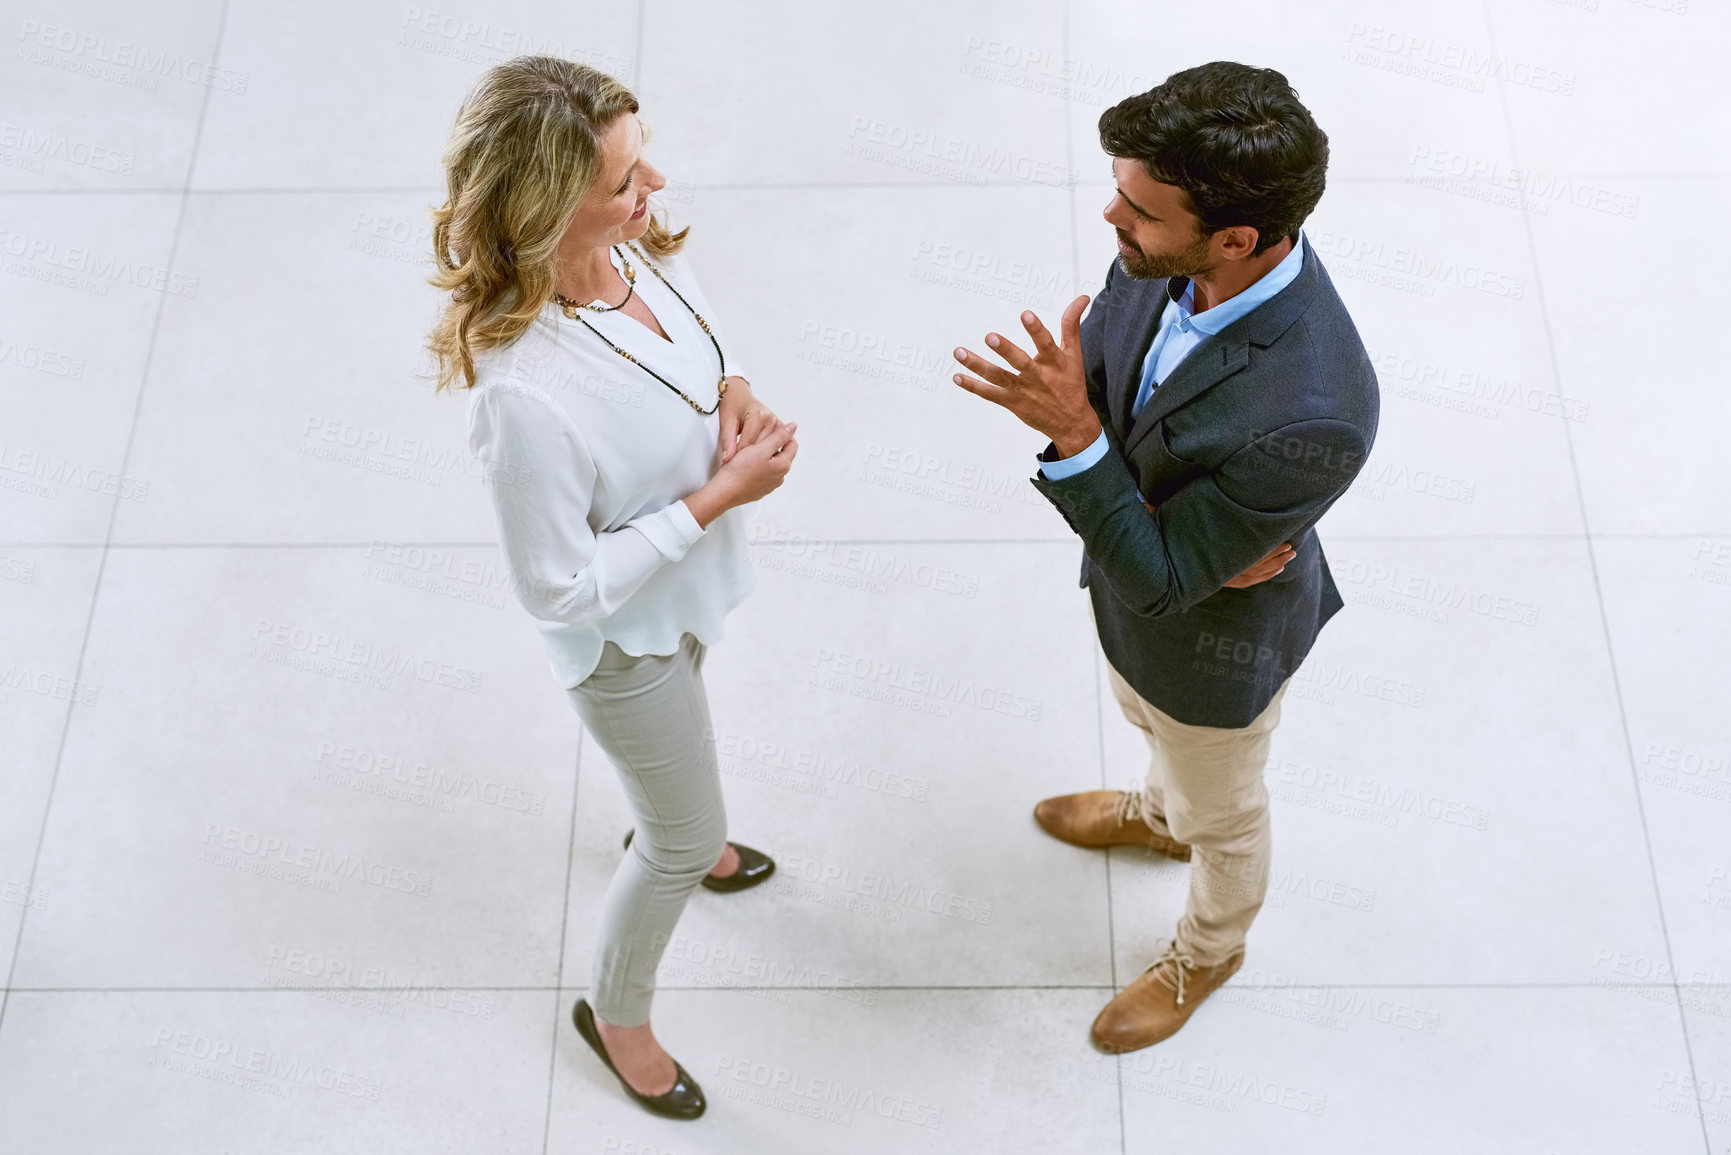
[1159,1001]
[1096,819]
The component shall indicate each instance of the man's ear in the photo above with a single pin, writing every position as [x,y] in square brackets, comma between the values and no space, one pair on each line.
[1239,241]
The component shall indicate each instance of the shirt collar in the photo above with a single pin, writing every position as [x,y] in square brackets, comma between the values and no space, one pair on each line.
[1213,320]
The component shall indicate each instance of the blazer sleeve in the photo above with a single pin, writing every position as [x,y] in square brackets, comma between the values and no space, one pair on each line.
[540,478]
[1217,525]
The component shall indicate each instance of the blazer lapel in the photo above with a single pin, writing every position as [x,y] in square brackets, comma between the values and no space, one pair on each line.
[1137,325]
[1226,352]
[1211,362]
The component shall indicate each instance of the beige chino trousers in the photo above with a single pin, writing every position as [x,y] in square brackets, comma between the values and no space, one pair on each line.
[1204,787]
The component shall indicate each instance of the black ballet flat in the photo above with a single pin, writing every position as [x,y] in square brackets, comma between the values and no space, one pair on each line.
[754,867]
[685,1099]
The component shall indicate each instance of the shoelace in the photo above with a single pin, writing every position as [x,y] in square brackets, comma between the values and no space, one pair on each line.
[1129,806]
[1172,975]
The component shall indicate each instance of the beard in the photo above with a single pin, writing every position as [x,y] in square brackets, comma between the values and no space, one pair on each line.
[1187,262]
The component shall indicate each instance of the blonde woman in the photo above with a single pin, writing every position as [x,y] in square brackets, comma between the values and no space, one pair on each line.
[620,443]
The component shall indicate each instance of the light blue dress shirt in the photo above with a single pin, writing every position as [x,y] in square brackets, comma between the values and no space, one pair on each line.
[1180,332]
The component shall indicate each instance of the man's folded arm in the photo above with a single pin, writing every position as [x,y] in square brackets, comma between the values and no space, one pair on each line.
[1216,526]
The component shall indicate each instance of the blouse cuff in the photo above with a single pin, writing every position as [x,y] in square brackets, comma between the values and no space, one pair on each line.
[672,530]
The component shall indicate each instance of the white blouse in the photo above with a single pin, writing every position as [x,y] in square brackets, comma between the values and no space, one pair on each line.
[586,457]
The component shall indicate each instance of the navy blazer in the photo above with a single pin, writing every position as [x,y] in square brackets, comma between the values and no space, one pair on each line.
[1244,446]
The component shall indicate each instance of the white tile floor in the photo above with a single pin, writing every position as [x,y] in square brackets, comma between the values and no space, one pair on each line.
[1523,939]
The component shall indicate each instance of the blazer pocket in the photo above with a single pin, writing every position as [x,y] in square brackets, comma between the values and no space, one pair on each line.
[1164,432]
[1160,472]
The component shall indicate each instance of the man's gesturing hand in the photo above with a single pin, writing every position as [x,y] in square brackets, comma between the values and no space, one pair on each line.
[1046,391]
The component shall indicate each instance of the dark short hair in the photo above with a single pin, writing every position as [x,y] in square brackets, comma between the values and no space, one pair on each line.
[1234,138]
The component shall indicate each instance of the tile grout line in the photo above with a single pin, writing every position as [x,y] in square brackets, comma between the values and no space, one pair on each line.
[576,784]
[113,516]
[637,56]
[564,920]
[636,86]
[767,186]
[1094,663]
[1599,597]
[912,541]
[1716,987]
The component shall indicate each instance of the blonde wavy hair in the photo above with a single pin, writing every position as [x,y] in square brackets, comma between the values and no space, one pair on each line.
[525,151]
